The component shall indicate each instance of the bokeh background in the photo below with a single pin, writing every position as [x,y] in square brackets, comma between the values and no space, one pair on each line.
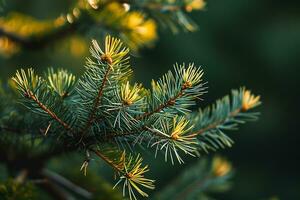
[252,43]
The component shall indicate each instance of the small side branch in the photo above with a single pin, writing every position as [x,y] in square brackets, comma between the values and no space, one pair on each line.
[47,110]
[107,160]
[97,100]
[143,128]
[162,106]
[214,125]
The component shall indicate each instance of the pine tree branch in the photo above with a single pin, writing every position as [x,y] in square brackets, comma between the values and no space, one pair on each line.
[214,125]
[110,136]
[172,127]
[47,110]
[107,160]
[35,42]
[170,102]
[124,134]
[97,101]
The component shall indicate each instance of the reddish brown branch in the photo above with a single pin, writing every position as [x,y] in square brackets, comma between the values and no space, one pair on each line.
[214,125]
[52,114]
[107,160]
[97,100]
[168,103]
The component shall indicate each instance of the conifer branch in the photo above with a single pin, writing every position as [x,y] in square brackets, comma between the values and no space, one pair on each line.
[130,171]
[226,114]
[47,110]
[167,13]
[113,55]
[168,103]
[129,114]
[107,160]
[27,82]
[215,124]
[97,100]
[197,181]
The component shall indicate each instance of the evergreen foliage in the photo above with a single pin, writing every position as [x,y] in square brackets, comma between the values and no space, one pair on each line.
[103,115]
[135,21]
[198,181]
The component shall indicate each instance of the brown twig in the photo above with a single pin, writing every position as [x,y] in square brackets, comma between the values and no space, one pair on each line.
[168,103]
[97,101]
[47,110]
[214,125]
[108,161]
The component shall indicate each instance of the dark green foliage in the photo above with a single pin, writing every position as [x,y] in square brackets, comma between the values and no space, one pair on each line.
[198,181]
[226,114]
[102,115]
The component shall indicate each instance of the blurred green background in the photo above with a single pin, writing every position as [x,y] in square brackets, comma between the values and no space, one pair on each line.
[252,43]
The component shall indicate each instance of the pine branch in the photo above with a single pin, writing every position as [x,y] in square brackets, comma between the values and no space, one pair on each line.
[215,124]
[97,100]
[28,83]
[168,13]
[107,160]
[112,57]
[168,103]
[110,114]
[47,110]
[178,90]
[129,169]
[205,176]
[225,114]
